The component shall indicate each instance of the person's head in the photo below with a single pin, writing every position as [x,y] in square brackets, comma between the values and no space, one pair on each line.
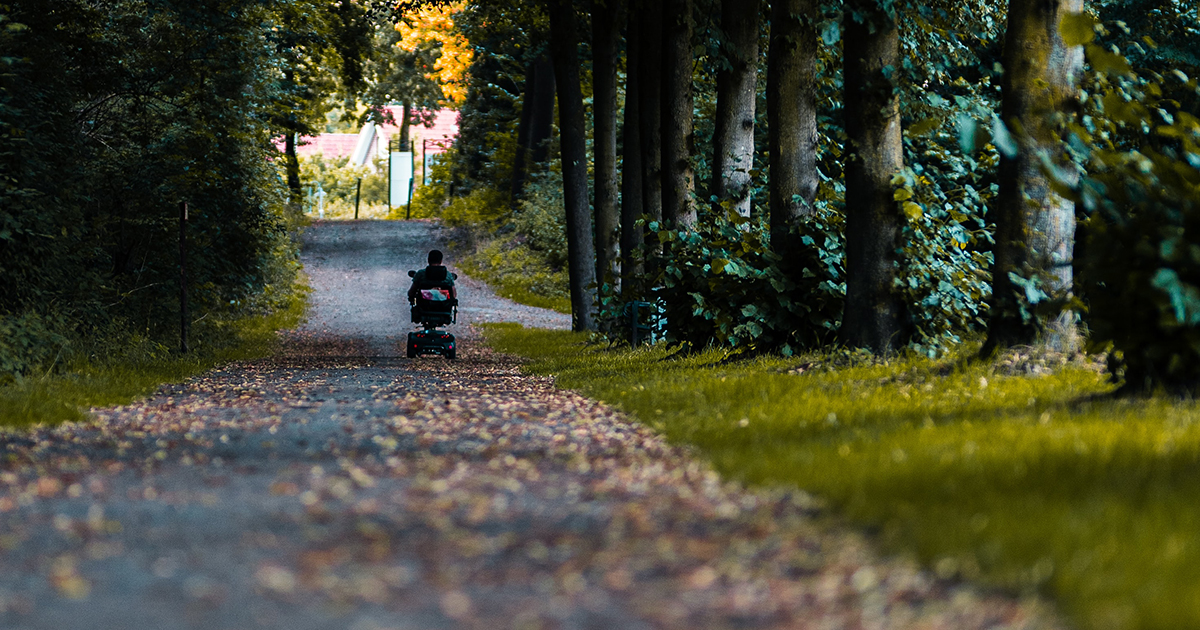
[435,257]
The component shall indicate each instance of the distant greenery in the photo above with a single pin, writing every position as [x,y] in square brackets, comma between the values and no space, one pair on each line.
[1021,473]
[113,114]
[339,180]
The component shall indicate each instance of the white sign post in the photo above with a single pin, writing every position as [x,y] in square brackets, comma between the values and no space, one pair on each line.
[400,177]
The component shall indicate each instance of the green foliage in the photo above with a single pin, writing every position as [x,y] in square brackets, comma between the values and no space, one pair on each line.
[482,207]
[1031,482]
[540,220]
[339,180]
[1139,262]
[721,283]
[117,367]
[520,274]
[114,113]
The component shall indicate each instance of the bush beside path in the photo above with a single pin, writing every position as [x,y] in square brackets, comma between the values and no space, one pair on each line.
[337,484]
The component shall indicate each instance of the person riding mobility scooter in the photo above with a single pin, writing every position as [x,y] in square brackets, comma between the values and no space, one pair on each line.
[434,303]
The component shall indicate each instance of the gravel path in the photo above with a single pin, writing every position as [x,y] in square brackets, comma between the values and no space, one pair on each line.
[339,485]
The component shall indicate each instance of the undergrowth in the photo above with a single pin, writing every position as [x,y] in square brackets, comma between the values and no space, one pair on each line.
[1027,480]
[118,370]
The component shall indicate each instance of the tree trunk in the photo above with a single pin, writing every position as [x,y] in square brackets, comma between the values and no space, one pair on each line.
[678,138]
[874,155]
[650,91]
[792,116]
[605,43]
[580,255]
[542,122]
[631,164]
[405,126]
[517,183]
[292,164]
[733,140]
[1035,228]
[533,128]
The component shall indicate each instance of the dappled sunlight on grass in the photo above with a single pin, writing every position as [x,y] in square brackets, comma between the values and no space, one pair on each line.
[1024,482]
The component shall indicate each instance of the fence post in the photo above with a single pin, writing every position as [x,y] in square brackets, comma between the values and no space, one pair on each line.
[357,193]
[183,296]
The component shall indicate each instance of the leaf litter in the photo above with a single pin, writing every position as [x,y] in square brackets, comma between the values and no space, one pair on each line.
[335,486]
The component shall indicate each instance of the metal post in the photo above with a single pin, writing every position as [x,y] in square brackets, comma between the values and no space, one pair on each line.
[389,188]
[357,193]
[183,296]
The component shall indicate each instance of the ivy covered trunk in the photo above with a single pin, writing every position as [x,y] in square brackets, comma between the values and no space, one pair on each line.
[580,253]
[1035,228]
[792,116]
[679,179]
[874,156]
[631,163]
[733,139]
[605,42]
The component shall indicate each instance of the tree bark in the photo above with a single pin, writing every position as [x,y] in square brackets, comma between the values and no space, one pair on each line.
[520,154]
[537,117]
[405,126]
[580,253]
[650,91]
[631,164]
[1035,228]
[542,122]
[605,43]
[872,108]
[678,137]
[737,96]
[792,116]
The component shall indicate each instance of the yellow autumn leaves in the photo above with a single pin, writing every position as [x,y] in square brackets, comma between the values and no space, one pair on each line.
[435,25]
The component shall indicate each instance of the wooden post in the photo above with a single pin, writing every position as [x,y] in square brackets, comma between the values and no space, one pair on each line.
[357,193]
[183,296]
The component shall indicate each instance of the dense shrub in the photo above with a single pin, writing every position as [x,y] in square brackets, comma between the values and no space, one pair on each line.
[1139,256]
[112,114]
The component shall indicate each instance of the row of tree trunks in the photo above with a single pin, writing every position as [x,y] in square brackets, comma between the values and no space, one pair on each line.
[737,96]
[874,155]
[580,245]
[1035,228]
[606,37]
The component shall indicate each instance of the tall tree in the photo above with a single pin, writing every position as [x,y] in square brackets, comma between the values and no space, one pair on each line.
[606,37]
[580,253]
[650,92]
[1035,228]
[791,115]
[678,137]
[631,161]
[871,47]
[733,139]
[537,118]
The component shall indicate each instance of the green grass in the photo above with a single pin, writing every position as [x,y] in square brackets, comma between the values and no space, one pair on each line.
[1022,482]
[519,274]
[133,372]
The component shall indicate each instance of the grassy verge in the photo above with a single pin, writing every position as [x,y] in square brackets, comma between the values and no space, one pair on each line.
[1026,482]
[518,274]
[131,373]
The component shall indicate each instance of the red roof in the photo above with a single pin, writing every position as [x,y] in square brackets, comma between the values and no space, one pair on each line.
[439,137]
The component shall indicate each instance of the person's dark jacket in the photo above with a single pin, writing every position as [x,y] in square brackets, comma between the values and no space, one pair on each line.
[431,277]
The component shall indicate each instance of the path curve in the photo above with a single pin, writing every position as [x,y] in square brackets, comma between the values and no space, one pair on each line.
[340,485]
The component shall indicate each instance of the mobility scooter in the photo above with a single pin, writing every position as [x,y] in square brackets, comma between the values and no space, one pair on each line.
[432,307]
